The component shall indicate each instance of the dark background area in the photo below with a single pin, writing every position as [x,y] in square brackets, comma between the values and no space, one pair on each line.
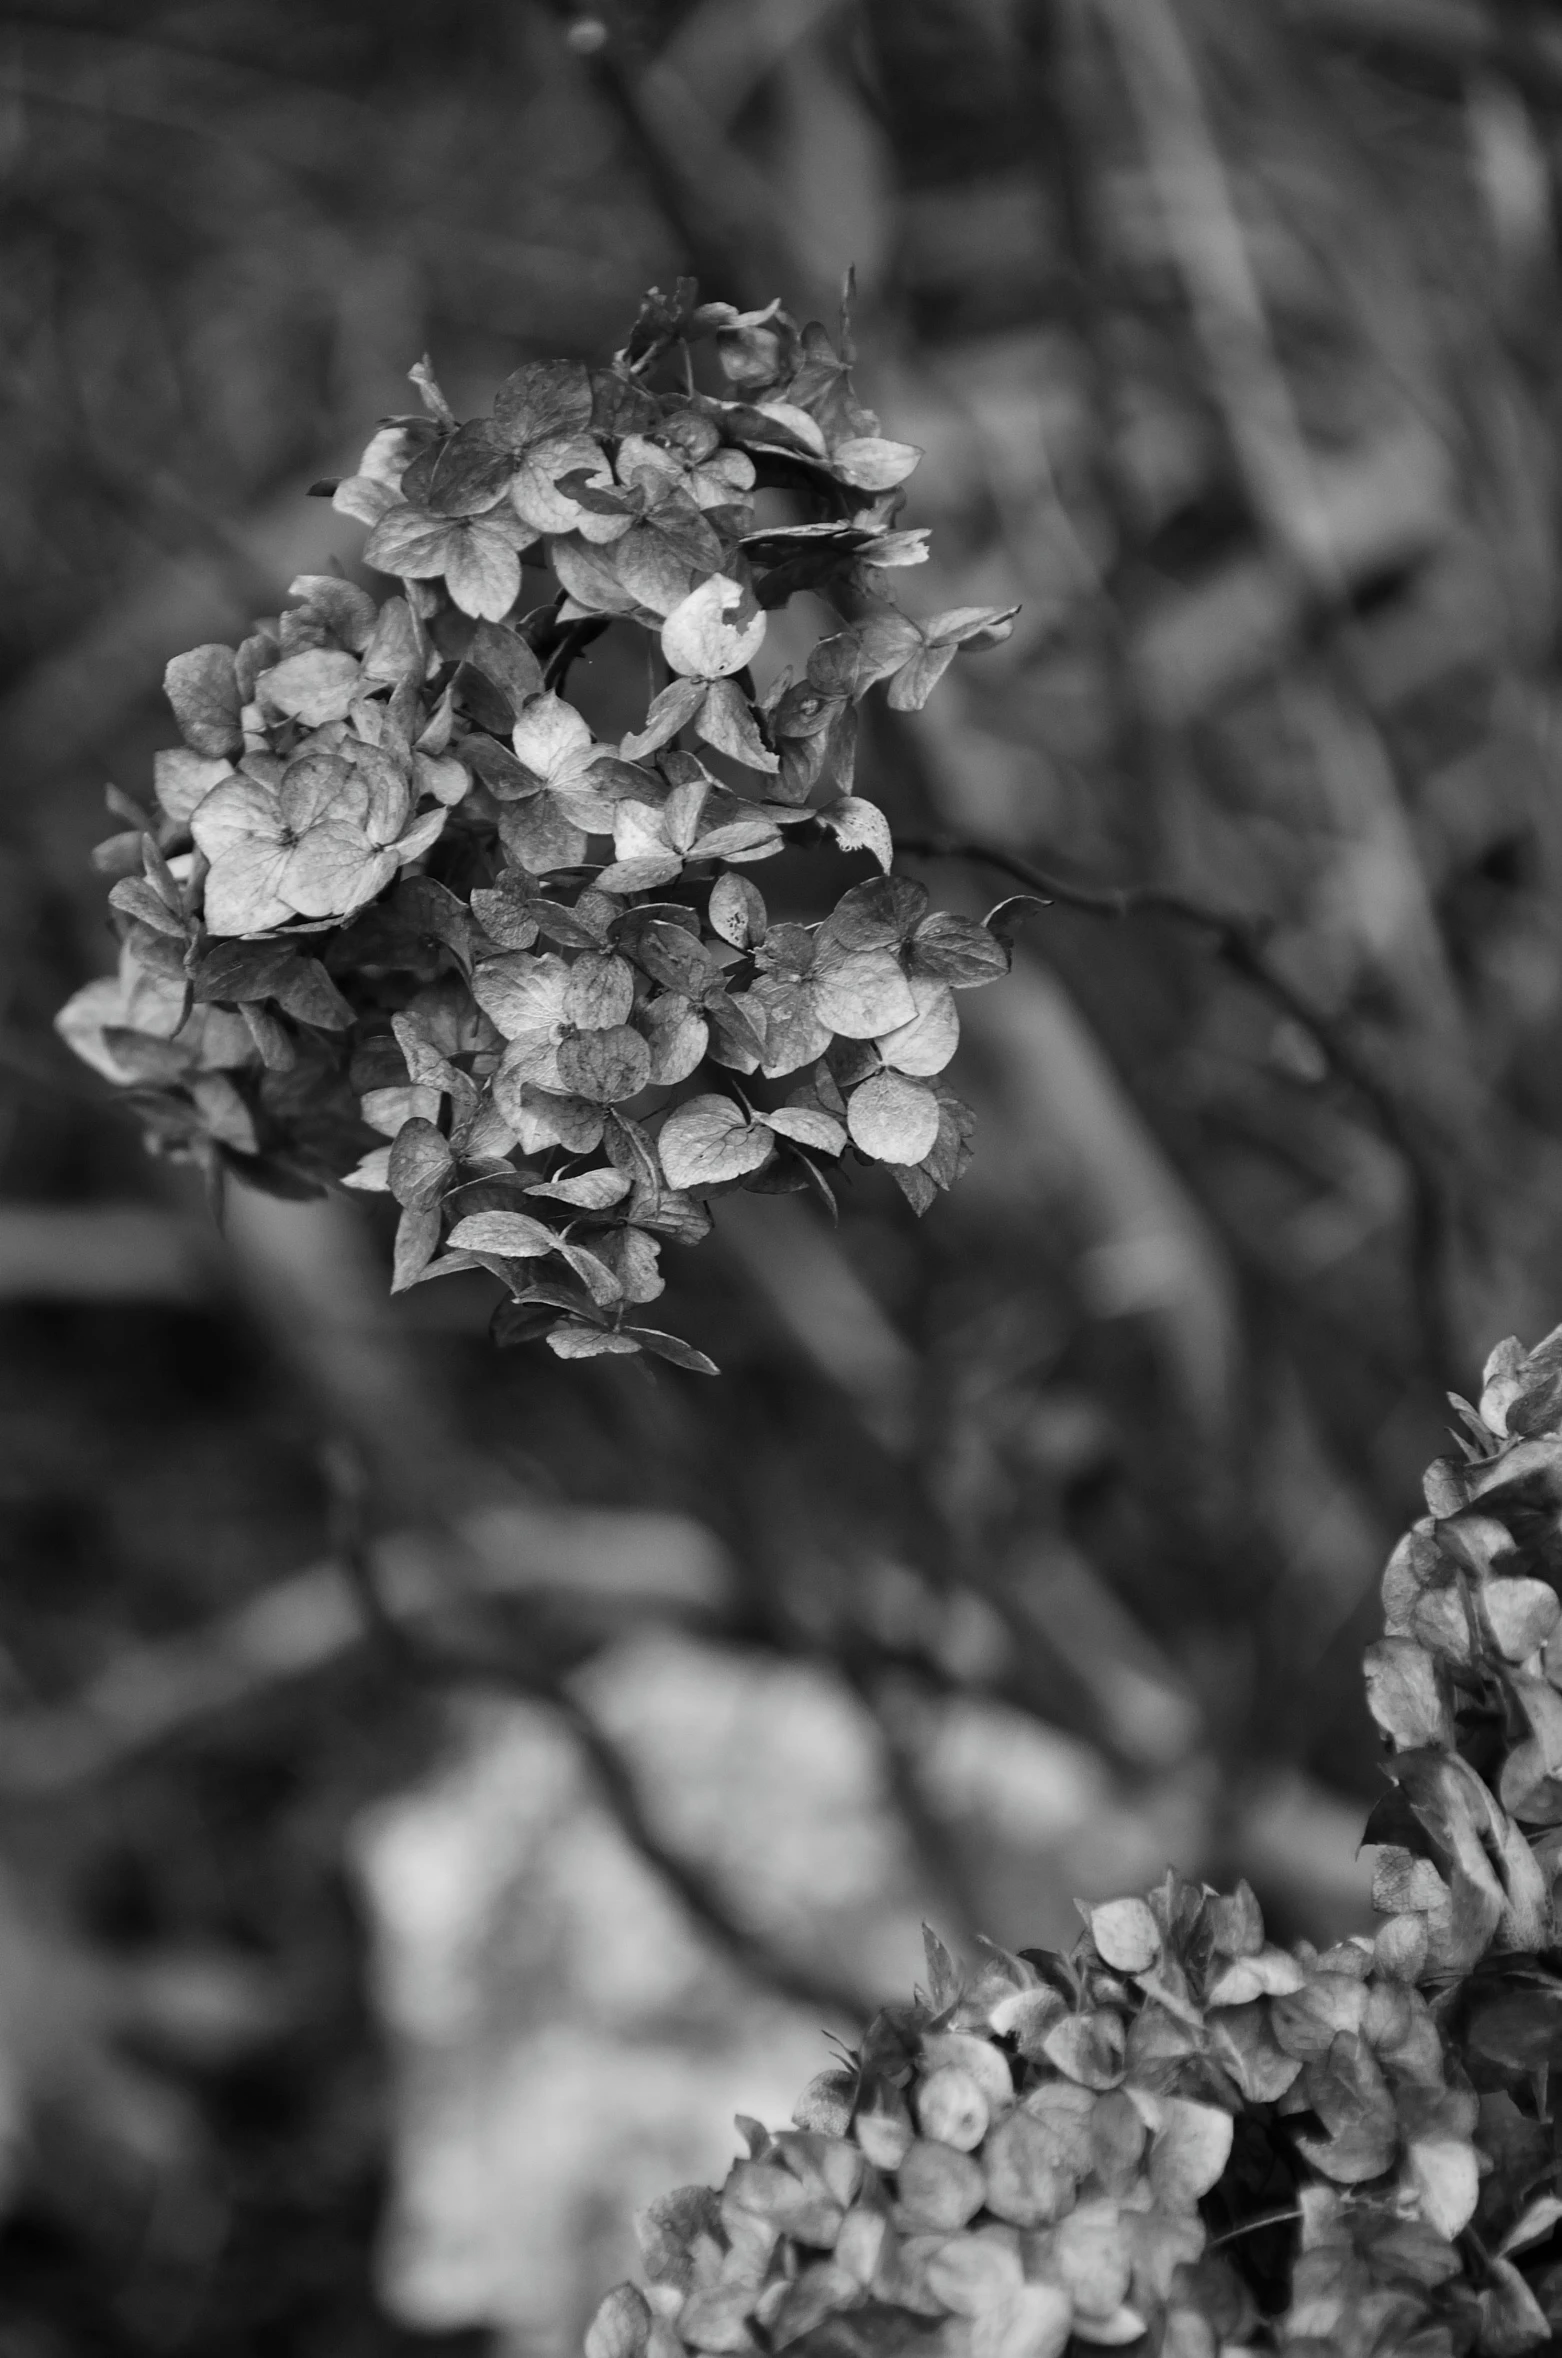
[1228,330]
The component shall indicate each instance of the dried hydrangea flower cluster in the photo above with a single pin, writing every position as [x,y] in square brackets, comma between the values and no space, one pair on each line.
[1179,2138]
[401,920]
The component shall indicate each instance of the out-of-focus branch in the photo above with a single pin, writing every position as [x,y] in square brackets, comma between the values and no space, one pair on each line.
[937,1850]
[724,49]
[721,211]
[683,1876]
[1056,90]
[1241,943]
[396,1595]
[1210,249]
[431,1661]
[1227,304]
[611,1571]
[1440,44]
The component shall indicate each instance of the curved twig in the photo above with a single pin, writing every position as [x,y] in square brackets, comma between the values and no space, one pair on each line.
[1241,943]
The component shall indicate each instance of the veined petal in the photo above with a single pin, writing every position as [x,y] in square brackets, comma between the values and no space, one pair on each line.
[241,889]
[535,494]
[323,874]
[236,813]
[320,786]
[521,992]
[483,574]
[701,642]
[420,835]
[638,832]
[549,735]
[533,1057]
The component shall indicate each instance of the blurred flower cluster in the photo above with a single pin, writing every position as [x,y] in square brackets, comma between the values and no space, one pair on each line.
[1037,2148]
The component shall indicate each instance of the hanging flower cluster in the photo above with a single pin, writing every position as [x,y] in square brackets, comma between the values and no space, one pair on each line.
[401,920]
[1180,2138]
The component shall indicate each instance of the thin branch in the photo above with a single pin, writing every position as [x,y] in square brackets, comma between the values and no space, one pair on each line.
[1270,450]
[719,209]
[1229,316]
[442,1666]
[428,1662]
[1241,943]
[400,1592]
[1251,2226]
[347,1487]
[697,1889]
[164,1692]
[577,637]
[935,1845]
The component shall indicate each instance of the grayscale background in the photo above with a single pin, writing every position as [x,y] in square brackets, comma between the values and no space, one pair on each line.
[1016,1552]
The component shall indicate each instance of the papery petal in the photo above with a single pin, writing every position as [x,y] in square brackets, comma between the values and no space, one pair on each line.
[236,813]
[522,993]
[320,786]
[331,869]
[549,734]
[241,894]
[535,494]
[701,642]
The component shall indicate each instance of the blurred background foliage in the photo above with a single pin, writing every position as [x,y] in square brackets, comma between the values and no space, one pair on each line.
[1015,1551]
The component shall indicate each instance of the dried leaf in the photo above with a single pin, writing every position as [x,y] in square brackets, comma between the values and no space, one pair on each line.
[600,992]
[710,1141]
[606,1066]
[952,2109]
[973,2274]
[504,657]
[892,1118]
[420,1167]
[572,1339]
[314,687]
[417,1241]
[1521,1615]
[714,631]
[805,1126]
[513,1236]
[725,721]
[621,2327]
[938,2187]
[870,464]
[1404,1693]
[483,569]
[1092,2256]
[957,950]
[182,778]
[1026,2182]
[203,689]
[543,399]
[1446,2178]
[1087,2048]
[1268,1974]
[672,1348]
[863,994]
[589,1191]
[858,825]
[411,543]
[1188,2152]
[737,912]
[676,705]
[1241,2039]
[1512,2320]
[1127,1936]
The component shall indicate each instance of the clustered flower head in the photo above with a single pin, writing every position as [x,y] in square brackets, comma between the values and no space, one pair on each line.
[1180,2138]
[401,920]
